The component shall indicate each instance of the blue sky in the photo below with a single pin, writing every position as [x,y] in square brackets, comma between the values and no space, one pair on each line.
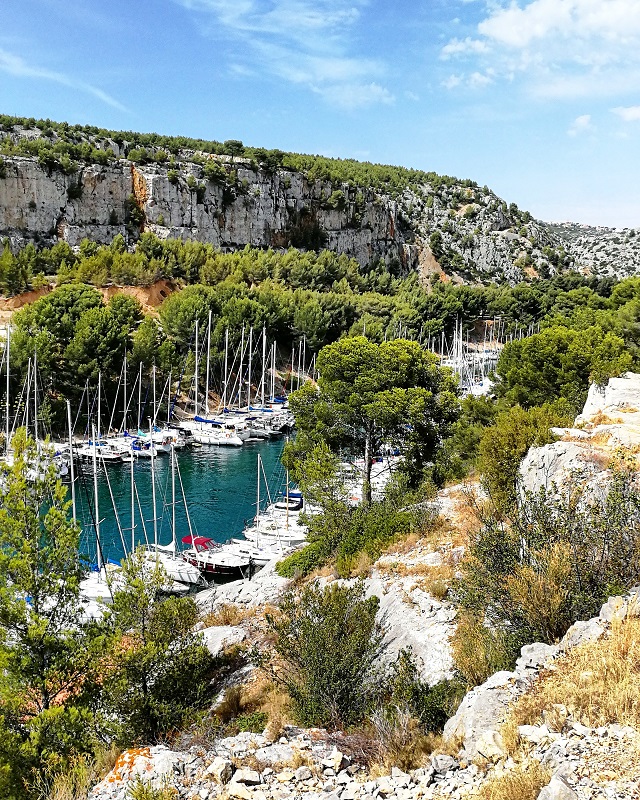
[538,99]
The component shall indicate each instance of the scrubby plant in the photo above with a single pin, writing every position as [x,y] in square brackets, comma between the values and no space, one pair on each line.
[556,560]
[326,648]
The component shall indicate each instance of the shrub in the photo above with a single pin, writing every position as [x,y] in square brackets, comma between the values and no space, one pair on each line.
[556,561]
[325,652]
[503,446]
[430,705]
[480,651]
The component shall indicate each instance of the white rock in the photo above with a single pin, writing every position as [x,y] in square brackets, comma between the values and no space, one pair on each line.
[248,776]
[219,637]
[220,769]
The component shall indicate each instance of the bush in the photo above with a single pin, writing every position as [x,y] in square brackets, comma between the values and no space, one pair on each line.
[431,705]
[325,652]
[503,446]
[561,555]
[480,651]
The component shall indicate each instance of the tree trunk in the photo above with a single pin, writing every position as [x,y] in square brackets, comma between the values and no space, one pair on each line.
[366,472]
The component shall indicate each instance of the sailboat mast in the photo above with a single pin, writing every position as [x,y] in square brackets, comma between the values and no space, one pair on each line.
[155,408]
[249,368]
[226,365]
[140,396]
[264,362]
[153,496]
[26,407]
[95,497]
[71,465]
[133,507]
[173,497]
[206,385]
[240,368]
[197,367]
[8,404]
[273,371]
[35,395]
[99,397]
[126,399]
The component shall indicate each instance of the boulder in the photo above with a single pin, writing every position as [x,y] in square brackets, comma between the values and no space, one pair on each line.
[219,637]
[482,710]
[534,656]
[557,789]
[248,776]
[220,770]
[581,632]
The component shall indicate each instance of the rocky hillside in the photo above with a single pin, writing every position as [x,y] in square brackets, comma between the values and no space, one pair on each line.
[599,250]
[69,184]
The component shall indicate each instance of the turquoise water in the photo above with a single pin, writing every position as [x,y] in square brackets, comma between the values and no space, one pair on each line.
[219,485]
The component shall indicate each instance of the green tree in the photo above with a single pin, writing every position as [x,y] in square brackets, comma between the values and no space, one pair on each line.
[326,650]
[47,649]
[504,444]
[158,673]
[559,362]
[370,393]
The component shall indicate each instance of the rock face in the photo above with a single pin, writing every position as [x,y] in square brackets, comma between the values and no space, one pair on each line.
[451,228]
[608,425]
[260,209]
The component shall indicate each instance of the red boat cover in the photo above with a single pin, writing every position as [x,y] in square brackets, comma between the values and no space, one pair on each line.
[197,541]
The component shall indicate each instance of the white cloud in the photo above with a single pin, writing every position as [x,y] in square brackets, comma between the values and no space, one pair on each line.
[452,82]
[581,124]
[477,80]
[19,68]
[559,48]
[305,42]
[628,113]
[467,46]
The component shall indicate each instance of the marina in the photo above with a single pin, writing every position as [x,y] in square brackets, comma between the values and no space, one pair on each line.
[219,485]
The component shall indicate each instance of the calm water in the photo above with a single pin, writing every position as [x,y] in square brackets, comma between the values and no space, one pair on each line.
[219,485]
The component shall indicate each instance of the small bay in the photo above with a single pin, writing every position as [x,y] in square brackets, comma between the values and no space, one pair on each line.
[219,486]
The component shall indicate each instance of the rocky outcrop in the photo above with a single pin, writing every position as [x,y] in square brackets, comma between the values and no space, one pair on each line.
[601,250]
[608,428]
[256,207]
[447,228]
[581,761]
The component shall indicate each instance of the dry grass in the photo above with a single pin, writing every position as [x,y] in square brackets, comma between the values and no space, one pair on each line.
[478,651]
[361,568]
[600,418]
[82,774]
[405,545]
[524,782]
[599,683]
[262,694]
[400,740]
[228,614]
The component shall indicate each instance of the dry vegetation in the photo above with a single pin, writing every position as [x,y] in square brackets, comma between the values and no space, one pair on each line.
[599,682]
[228,614]
[522,783]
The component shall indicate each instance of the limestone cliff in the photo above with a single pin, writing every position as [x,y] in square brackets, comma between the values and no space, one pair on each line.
[444,227]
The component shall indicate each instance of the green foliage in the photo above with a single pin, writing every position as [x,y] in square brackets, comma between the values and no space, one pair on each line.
[503,445]
[431,705]
[560,556]
[159,673]
[326,649]
[254,722]
[47,649]
[368,393]
[559,362]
